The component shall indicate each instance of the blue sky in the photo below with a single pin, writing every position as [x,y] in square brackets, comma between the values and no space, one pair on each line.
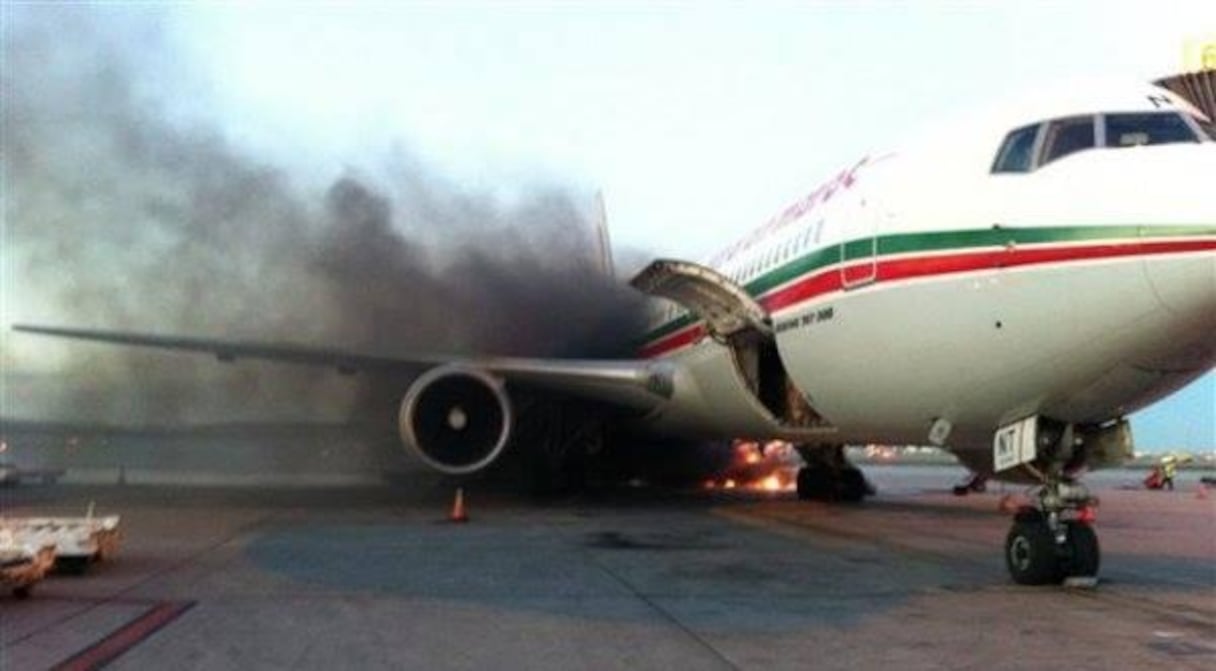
[697,120]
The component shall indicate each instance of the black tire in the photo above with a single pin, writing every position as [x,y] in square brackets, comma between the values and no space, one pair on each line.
[814,484]
[71,565]
[1031,554]
[1083,556]
[852,485]
[23,592]
[803,484]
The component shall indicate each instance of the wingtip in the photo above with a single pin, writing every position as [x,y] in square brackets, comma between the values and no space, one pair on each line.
[42,330]
[33,328]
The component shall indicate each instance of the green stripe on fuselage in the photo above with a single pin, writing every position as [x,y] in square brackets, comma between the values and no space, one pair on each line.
[906,243]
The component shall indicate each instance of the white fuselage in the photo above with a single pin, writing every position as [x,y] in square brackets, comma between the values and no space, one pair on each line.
[912,289]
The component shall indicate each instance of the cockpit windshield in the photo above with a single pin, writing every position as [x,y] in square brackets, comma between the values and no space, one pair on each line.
[1030,147]
[1067,136]
[1017,152]
[1141,128]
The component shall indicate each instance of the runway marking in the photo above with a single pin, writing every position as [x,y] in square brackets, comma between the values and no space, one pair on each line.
[160,614]
[125,637]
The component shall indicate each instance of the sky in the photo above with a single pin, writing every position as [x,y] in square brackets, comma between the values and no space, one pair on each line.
[696,120]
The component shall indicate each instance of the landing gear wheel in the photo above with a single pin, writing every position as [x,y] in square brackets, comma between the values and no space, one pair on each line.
[71,565]
[1030,552]
[853,485]
[814,484]
[1082,554]
[1051,539]
[23,592]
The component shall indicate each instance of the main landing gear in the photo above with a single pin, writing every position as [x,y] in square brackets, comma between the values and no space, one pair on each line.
[1053,541]
[828,475]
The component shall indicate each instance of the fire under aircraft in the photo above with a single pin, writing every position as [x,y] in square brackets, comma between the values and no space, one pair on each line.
[1009,292]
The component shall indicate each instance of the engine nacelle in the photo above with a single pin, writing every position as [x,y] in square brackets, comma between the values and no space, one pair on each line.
[456,419]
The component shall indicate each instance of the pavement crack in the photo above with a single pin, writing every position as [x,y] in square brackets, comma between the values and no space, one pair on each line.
[663,612]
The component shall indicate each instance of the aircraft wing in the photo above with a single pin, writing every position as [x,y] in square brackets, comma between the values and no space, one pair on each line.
[639,384]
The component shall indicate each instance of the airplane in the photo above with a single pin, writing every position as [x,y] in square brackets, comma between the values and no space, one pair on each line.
[1009,290]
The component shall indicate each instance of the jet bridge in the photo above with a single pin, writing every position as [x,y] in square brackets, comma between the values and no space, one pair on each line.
[736,320]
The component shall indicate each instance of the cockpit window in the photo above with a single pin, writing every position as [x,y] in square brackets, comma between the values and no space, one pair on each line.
[1017,152]
[1208,127]
[1066,136]
[1129,130]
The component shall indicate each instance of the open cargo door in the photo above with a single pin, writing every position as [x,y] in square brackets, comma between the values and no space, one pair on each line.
[738,321]
[728,311]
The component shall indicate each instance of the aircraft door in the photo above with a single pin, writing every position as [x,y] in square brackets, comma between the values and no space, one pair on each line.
[729,312]
[859,247]
[736,320]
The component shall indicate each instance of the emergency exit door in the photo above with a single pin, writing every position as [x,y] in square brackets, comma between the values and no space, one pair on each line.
[859,247]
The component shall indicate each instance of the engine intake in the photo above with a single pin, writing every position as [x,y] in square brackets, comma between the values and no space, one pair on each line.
[456,419]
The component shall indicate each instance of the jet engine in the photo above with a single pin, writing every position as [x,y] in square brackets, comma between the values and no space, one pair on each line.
[456,419]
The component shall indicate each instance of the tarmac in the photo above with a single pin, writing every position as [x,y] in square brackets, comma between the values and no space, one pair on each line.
[373,577]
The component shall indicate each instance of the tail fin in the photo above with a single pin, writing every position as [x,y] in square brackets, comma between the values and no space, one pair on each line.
[600,221]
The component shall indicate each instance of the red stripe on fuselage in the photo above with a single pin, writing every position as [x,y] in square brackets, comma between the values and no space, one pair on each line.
[685,336]
[828,280]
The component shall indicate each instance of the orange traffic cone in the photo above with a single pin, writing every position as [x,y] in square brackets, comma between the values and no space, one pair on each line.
[458,514]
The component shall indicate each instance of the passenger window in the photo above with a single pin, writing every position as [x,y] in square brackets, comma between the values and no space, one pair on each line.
[1067,136]
[1129,130]
[1016,152]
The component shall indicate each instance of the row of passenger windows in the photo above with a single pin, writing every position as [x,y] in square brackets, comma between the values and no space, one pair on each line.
[775,256]
[1062,137]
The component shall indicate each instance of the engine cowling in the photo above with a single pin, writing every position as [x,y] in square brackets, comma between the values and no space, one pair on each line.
[456,419]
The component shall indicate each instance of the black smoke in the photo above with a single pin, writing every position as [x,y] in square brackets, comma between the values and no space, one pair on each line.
[119,214]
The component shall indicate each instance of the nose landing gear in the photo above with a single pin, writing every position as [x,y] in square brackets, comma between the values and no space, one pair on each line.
[1053,541]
